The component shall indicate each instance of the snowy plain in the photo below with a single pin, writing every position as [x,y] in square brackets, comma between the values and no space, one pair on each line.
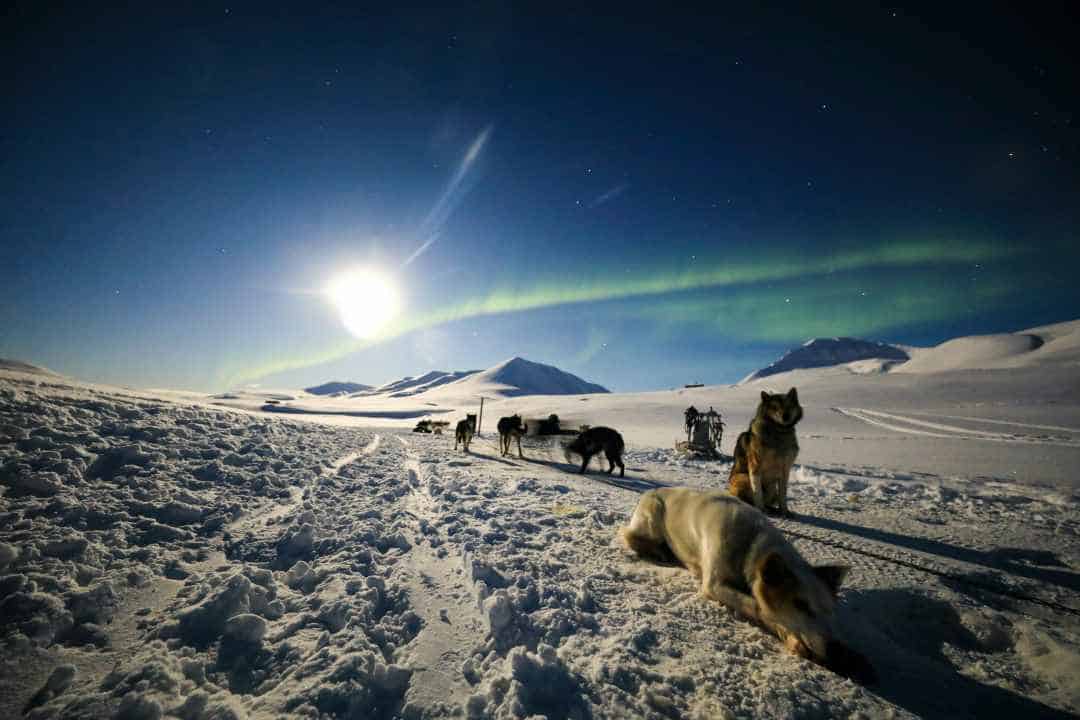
[169,554]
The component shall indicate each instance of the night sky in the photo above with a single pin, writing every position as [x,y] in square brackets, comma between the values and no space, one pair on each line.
[646,198]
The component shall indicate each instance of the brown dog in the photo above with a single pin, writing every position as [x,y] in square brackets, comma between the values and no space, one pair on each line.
[765,453]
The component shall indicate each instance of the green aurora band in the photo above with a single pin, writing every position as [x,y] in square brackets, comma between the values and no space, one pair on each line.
[748,312]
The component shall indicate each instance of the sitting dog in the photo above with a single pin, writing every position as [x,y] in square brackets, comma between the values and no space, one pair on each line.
[464,432]
[743,562]
[595,440]
[510,428]
[765,453]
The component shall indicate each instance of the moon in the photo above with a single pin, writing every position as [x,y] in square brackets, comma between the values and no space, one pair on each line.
[366,300]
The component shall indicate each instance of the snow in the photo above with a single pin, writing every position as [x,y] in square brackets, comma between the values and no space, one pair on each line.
[162,555]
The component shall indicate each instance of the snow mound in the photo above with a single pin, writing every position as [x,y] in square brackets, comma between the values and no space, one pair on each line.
[1052,343]
[337,387]
[825,352]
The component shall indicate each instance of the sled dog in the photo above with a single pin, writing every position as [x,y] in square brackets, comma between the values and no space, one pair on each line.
[765,453]
[743,562]
[510,428]
[464,432]
[595,440]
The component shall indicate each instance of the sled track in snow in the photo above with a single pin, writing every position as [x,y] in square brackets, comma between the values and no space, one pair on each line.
[440,594]
[915,426]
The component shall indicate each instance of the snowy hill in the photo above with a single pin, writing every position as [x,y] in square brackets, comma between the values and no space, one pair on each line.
[22,367]
[1059,343]
[513,378]
[336,387]
[517,377]
[826,352]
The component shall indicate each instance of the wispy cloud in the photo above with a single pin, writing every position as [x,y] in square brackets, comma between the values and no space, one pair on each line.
[610,194]
[421,250]
[457,188]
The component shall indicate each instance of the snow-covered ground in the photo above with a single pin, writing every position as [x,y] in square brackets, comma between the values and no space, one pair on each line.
[162,555]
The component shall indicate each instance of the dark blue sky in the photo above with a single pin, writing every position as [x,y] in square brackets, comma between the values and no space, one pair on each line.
[654,197]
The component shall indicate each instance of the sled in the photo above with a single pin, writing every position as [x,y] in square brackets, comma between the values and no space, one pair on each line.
[704,431]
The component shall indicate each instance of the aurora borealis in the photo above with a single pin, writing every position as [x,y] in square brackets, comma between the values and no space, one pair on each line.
[643,199]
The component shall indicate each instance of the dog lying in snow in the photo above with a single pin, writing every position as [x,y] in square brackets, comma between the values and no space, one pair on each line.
[745,563]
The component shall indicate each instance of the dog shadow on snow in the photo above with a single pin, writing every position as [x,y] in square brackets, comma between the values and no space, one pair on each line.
[905,634]
[1039,565]
[639,485]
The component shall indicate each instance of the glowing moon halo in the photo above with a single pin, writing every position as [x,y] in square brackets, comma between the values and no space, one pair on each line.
[366,300]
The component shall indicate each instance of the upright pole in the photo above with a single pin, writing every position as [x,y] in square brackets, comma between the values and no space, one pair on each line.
[480,420]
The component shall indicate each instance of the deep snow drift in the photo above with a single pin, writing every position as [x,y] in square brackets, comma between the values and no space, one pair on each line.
[162,557]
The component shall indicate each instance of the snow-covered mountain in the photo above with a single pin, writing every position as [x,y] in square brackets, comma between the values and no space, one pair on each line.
[517,377]
[512,378]
[408,386]
[825,352]
[336,387]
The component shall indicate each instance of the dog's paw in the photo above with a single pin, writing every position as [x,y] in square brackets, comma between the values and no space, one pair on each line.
[795,646]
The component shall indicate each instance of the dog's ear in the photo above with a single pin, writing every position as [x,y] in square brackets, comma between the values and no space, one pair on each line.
[774,571]
[832,576]
[793,396]
[764,396]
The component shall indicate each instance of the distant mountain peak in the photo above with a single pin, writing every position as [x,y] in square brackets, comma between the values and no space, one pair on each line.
[513,377]
[526,377]
[336,387]
[826,352]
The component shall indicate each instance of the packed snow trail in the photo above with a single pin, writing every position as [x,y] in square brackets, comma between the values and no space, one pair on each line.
[914,426]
